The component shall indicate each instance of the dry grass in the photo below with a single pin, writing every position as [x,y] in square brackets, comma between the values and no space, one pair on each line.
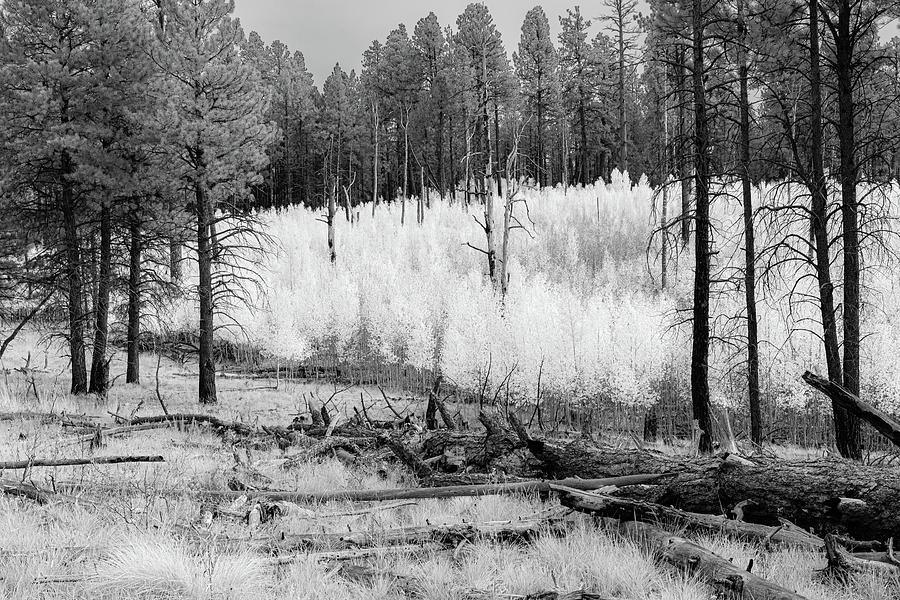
[142,542]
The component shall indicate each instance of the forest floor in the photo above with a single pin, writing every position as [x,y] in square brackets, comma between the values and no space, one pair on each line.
[136,531]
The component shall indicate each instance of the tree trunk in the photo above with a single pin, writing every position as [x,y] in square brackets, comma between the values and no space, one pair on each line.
[728,579]
[822,495]
[880,420]
[133,370]
[498,170]
[849,442]
[99,363]
[175,258]
[207,367]
[684,173]
[76,291]
[700,350]
[623,123]
[332,210]
[749,246]
[819,209]
[375,168]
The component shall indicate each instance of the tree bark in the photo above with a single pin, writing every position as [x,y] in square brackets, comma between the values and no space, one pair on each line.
[819,495]
[684,173]
[727,578]
[133,369]
[99,362]
[850,443]
[175,258]
[603,505]
[68,462]
[76,288]
[700,349]
[749,245]
[206,391]
[852,405]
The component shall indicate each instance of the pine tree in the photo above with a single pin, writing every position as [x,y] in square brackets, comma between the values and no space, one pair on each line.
[584,90]
[433,49]
[215,119]
[622,20]
[537,67]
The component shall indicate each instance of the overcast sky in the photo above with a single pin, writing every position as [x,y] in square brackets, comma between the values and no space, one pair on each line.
[330,31]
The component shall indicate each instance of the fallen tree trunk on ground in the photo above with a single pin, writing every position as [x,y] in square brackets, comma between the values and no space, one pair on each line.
[72,462]
[182,418]
[880,420]
[576,595]
[822,496]
[117,431]
[524,487]
[625,509]
[841,562]
[728,579]
[446,535]
[356,554]
[24,490]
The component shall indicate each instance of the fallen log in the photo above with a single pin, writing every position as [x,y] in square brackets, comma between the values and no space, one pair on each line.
[822,496]
[214,422]
[728,579]
[72,462]
[625,509]
[117,431]
[576,595]
[24,490]
[356,554]
[880,420]
[446,535]
[524,487]
[498,450]
[841,562]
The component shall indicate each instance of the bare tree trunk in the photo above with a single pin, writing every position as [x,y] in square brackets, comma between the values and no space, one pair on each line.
[849,443]
[406,156]
[375,169]
[99,363]
[133,370]
[683,162]
[175,258]
[76,291]
[332,210]
[499,174]
[749,245]
[205,251]
[700,351]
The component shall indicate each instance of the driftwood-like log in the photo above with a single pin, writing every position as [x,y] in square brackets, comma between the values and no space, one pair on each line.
[576,595]
[841,562]
[823,496]
[498,450]
[446,535]
[357,553]
[71,462]
[727,578]
[24,490]
[216,423]
[117,431]
[524,487]
[625,509]
[880,420]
